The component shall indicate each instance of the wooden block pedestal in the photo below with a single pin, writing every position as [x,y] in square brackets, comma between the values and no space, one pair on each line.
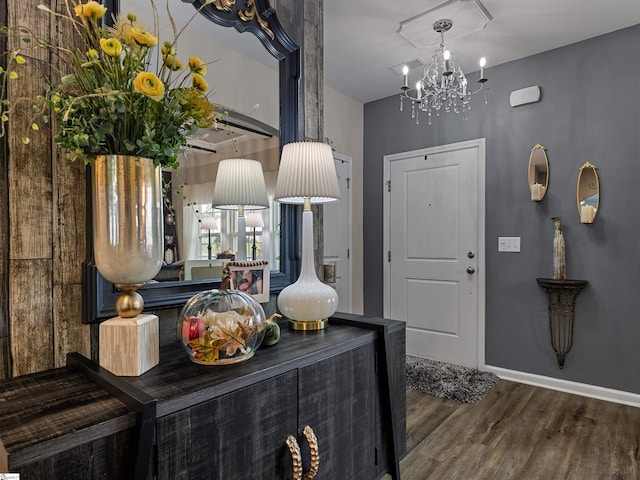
[129,346]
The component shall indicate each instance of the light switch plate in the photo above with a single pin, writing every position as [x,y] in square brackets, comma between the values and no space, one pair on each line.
[508,244]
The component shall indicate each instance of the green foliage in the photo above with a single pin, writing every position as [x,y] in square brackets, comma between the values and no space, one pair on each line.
[122,93]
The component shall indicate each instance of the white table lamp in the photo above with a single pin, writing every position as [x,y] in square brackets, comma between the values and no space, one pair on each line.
[254,220]
[209,223]
[307,175]
[239,186]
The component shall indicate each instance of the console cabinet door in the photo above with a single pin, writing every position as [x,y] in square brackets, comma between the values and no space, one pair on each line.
[337,398]
[237,436]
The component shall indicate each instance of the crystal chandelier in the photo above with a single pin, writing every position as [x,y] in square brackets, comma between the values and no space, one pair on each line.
[443,85]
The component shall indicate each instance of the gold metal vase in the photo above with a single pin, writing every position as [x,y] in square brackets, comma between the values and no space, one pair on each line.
[127,225]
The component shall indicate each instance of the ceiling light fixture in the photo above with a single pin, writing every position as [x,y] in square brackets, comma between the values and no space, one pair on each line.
[443,85]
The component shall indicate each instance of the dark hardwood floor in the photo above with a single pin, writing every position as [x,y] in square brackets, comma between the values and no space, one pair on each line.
[521,432]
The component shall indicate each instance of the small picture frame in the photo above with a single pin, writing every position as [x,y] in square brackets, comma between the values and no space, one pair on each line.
[251,278]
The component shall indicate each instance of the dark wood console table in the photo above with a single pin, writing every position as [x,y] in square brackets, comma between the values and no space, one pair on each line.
[183,420]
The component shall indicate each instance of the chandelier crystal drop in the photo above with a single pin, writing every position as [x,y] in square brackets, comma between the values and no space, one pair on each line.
[444,86]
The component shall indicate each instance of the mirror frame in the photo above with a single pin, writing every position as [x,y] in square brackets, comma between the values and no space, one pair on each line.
[259,18]
[593,168]
[529,175]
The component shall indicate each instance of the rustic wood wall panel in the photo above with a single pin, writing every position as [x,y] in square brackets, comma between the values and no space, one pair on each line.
[30,315]
[30,187]
[69,240]
[4,233]
[312,71]
[69,252]
[69,334]
[30,212]
[47,218]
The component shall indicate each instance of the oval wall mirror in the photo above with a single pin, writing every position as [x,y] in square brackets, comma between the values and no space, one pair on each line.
[538,172]
[588,193]
[258,18]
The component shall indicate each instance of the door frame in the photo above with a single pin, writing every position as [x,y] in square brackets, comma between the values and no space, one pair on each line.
[349,161]
[481,253]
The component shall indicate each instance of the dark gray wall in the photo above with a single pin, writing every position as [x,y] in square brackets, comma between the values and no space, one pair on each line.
[590,111]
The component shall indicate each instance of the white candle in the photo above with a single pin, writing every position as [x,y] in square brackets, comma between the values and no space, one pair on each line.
[537,192]
[483,62]
[405,73]
[587,214]
[447,56]
[419,89]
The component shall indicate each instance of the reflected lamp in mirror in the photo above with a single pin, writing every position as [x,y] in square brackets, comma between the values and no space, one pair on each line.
[209,223]
[239,186]
[254,220]
[307,175]
[588,193]
[538,172]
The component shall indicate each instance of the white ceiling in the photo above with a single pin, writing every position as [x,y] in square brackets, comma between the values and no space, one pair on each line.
[362,43]
[361,39]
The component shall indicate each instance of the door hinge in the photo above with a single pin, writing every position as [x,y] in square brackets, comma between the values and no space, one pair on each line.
[348,253]
[388,185]
[348,183]
[389,256]
[375,456]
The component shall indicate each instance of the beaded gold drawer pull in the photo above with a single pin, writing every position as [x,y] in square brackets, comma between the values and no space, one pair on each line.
[296,457]
[314,451]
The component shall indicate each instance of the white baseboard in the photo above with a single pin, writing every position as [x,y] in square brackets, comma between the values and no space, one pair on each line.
[586,390]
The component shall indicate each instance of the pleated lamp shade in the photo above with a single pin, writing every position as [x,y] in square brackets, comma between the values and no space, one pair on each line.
[254,220]
[307,169]
[209,223]
[240,183]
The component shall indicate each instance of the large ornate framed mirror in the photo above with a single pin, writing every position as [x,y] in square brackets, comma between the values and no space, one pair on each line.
[258,18]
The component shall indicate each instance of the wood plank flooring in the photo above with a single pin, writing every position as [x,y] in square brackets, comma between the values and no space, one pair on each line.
[520,432]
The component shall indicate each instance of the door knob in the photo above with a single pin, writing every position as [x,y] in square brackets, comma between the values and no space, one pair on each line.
[471,254]
[471,270]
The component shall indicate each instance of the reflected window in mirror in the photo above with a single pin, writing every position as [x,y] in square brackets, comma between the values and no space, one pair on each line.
[538,172]
[224,235]
[588,193]
[202,232]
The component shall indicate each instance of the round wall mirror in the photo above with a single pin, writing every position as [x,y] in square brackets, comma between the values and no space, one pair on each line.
[588,193]
[538,172]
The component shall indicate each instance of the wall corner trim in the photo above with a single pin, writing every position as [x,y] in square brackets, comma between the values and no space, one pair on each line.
[583,389]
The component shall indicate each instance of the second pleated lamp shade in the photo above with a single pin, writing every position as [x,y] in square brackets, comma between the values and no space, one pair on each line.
[240,183]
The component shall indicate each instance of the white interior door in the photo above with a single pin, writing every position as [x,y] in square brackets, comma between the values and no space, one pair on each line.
[433,207]
[337,234]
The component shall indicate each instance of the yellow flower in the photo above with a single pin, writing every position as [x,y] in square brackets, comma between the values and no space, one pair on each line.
[20,59]
[173,63]
[200,83]
[92,54]
[91,10]
[197,66]
[148,84]
[111,46]
[122,31]
[143,38]
[167,49]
